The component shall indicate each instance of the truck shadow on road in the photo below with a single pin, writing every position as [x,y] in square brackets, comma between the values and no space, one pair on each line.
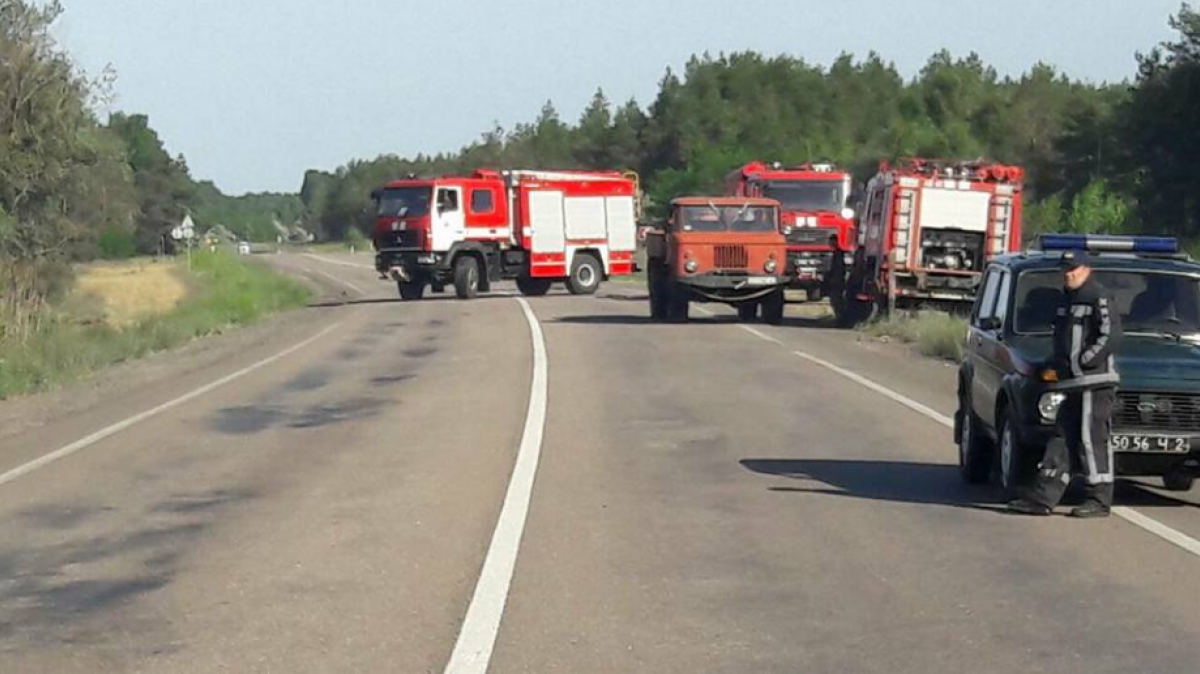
[896,481]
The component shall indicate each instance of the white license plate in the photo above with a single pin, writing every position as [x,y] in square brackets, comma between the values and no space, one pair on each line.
[1150,444]
[760,281]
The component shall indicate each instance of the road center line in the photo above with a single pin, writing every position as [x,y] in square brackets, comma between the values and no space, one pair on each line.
[477,637]
[1130,515]
[327,260]
[344,282]
[112,430]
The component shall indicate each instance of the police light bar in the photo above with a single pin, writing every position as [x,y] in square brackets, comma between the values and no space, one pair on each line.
[1110,244]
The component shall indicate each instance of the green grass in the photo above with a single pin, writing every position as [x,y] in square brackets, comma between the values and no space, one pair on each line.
[226,292]
[936,335]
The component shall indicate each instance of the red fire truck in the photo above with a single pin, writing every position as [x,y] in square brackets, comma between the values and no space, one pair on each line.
[928,229]
[535,227]
[814,199]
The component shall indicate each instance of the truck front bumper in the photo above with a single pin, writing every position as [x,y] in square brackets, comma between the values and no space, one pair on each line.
[407,263]
[733,288]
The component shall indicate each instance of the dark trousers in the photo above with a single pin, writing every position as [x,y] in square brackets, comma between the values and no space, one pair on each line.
[1084,424]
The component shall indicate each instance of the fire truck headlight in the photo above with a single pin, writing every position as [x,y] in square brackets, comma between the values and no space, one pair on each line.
[771,266]
[1049,405]
[848,213]
[691,266]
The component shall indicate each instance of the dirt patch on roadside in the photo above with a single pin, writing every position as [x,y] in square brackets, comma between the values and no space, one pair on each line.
[122,293]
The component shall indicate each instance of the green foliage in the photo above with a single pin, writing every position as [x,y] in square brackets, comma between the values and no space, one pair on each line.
[115,244]
[253,217]
[227,292]
[356,239]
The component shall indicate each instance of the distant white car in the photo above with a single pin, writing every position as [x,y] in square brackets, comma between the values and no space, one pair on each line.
[243,248]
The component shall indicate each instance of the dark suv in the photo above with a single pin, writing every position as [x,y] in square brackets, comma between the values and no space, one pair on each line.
[1008,400]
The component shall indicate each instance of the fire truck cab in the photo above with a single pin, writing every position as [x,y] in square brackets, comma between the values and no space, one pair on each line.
[534,227]
[814,200]
[928,229]
[713,249]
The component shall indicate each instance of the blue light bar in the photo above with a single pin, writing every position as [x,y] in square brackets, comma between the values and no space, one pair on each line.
[1096,243]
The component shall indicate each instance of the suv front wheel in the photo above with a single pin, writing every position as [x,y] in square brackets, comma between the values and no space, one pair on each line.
[1013,456]
[974,450]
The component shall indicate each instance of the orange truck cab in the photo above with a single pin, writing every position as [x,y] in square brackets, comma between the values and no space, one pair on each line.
[718,249]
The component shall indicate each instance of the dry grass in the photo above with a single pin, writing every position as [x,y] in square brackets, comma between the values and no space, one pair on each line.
[936,335]
[124,293]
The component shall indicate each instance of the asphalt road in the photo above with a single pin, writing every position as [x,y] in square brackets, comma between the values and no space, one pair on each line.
[322,493]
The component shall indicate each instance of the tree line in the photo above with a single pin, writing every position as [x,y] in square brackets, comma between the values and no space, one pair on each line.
[1099,157]
[74,187]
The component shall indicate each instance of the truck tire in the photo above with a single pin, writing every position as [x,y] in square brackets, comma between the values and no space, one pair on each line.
[974,450]
[656,283]
[586,274]
[678,302]
[466,277]
[533,287]
[772,307]
[411,290]
[748,312]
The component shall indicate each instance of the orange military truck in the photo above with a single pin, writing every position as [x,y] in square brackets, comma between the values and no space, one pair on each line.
[718,249]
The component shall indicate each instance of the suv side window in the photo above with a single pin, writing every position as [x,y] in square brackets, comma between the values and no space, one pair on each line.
[1000,310]
[987,298]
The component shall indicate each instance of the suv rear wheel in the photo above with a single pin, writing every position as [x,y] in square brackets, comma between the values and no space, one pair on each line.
[466,277]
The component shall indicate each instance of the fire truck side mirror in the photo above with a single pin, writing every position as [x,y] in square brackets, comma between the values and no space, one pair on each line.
[375,194]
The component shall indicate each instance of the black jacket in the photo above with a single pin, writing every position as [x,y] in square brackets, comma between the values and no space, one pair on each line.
[1087,332]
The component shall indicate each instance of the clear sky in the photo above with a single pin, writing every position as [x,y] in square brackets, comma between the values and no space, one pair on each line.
[254,92]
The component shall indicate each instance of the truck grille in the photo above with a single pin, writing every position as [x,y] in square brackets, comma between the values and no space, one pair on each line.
[730,257]
[810,236]
[1170,412]
[406,239]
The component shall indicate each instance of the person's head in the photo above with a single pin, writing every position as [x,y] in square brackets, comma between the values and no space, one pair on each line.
[1076,269]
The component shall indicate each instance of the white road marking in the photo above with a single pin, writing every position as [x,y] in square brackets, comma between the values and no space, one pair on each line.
[1158,529]
[477,638]
[328,260]
[1130,515]
[112,430]
[344,282]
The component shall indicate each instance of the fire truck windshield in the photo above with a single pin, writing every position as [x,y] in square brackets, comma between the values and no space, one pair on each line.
[405,201]
[808,196]
[727,218]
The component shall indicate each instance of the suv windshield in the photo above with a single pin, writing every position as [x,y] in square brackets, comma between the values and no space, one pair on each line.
[726,218]
[1149,302]
[405,202]
[807,195]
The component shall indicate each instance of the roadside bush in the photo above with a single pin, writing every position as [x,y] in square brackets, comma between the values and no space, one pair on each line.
[227,292]
[936,335]
[116,245]
[355,239]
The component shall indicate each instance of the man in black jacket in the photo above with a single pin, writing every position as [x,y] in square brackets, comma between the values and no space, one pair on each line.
[1087,332]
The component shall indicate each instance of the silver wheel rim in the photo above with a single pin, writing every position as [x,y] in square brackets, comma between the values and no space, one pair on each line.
[587,275]
[1006,447]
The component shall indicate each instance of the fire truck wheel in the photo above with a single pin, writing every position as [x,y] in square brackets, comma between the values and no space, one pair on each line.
[585,275]
[678,302]
[533,287]
[974,451]
[466,277]
[772,308]
[656,282]
[411,290]
[747,311]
